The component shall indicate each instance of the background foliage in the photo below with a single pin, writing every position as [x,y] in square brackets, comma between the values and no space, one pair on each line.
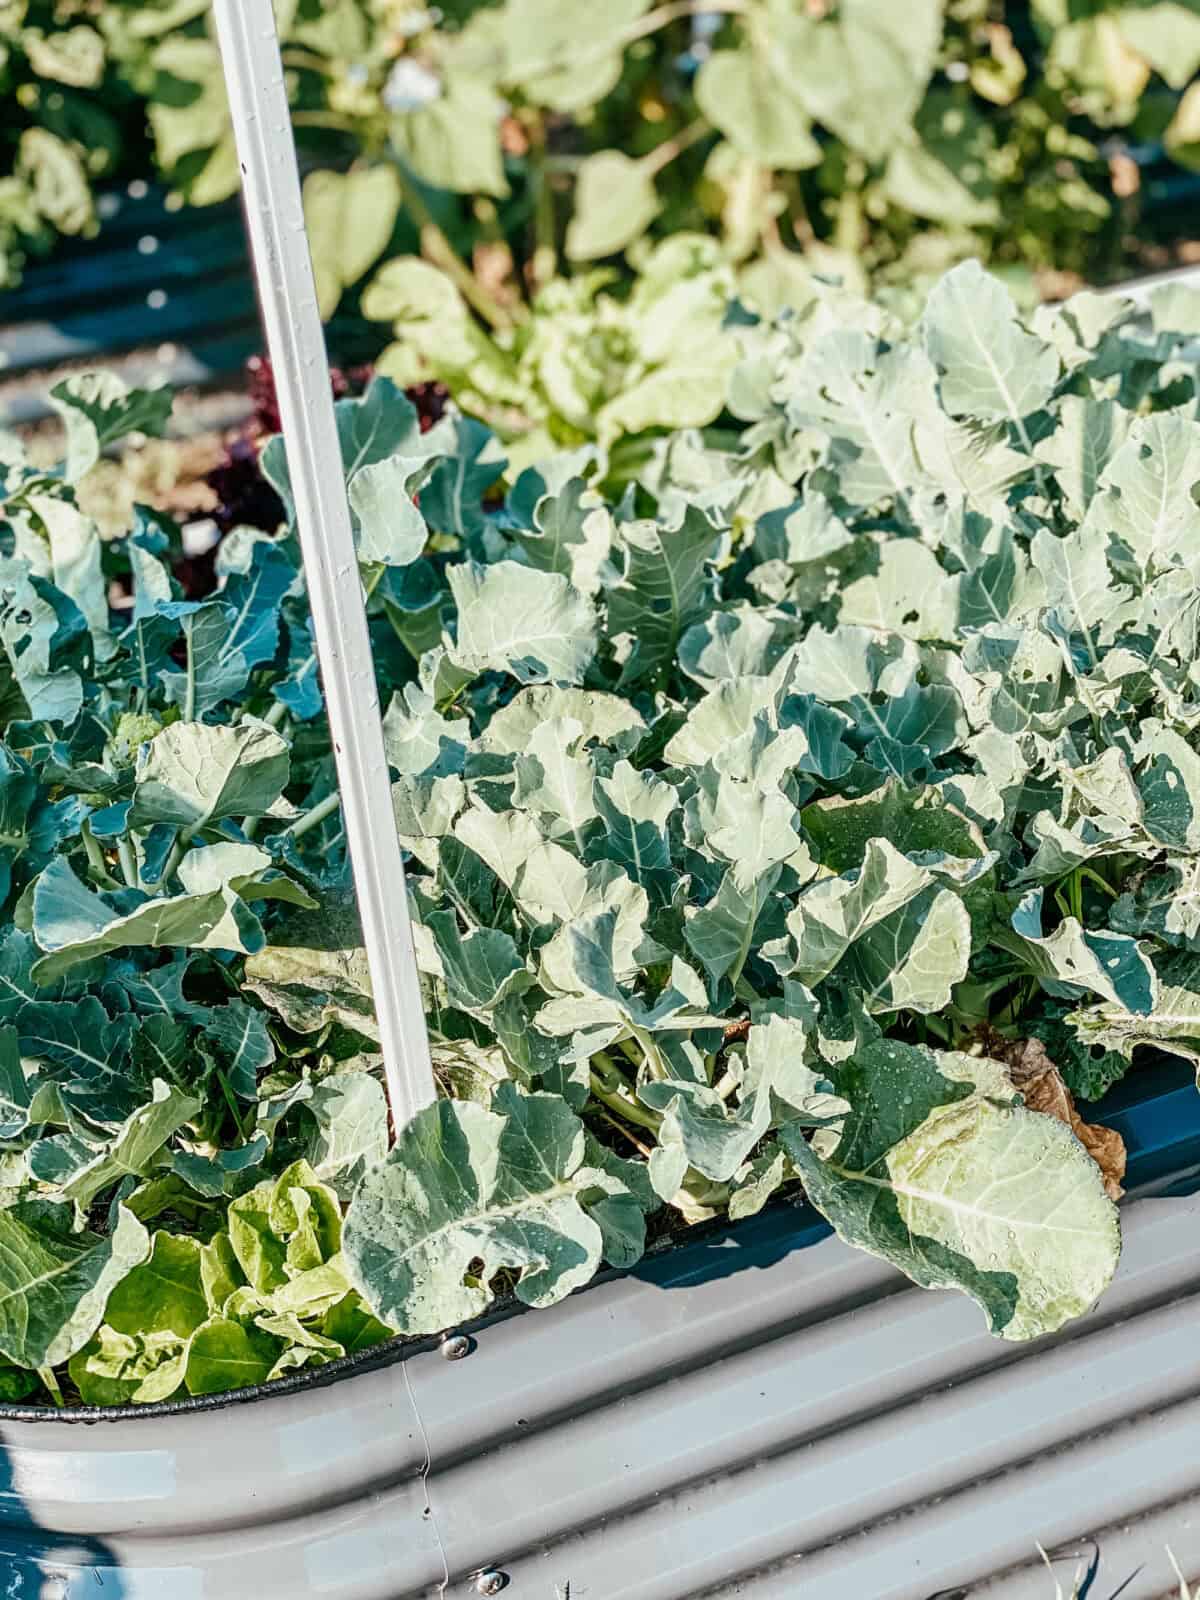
[503,141]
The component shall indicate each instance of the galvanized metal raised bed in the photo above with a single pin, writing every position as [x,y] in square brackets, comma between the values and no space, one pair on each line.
[761,1412]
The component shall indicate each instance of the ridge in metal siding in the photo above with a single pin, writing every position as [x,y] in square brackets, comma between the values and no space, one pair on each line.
[886,1451]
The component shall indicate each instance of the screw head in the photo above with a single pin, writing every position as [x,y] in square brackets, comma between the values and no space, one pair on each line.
[490,1582]
[454,1347]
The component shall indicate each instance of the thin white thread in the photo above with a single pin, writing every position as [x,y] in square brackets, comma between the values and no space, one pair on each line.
[424,1477]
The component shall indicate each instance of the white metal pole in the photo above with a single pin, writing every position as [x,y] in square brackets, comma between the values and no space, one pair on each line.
[295,339]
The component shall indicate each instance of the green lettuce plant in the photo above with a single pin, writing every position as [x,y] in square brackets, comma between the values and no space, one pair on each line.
[756,813]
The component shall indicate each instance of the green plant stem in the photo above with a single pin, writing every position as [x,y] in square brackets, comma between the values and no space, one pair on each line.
[182,839]
[293,56]
[231,1102]
[630,1051]
[639,1144]
[655,1065]
[338,120]
[847,235]
[46,1374]
[1039,474]
[675,11]
[315,815]
[273,718]
[612,1074]
[801,223]
[560,161]
[128,862]
[663,154]
[189,699]
[96,859]
[544,263]
[641,1116]
[1101,883]
[442,253]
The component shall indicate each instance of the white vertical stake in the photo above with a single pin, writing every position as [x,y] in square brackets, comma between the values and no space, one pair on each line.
[295,339]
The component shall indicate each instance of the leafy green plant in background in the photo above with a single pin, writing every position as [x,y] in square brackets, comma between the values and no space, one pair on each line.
[64,126]
[504,142]
[769,795]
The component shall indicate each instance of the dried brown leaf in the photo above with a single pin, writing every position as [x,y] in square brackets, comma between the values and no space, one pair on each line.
[1041,1085]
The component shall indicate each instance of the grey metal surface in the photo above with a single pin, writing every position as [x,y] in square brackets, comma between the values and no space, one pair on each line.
[775,1418]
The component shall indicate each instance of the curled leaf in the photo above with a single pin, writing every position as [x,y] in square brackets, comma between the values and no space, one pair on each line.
[1042,1089]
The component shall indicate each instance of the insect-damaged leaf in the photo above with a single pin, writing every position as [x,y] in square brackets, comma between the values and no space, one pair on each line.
[509,1188]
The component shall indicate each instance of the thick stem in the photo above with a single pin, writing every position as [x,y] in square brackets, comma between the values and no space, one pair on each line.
[315,815]
[442,253]
[182,839]
[128,862]
[189,699]
[641,1116]
[630,1051]
[46,1374]
[655,1065]
[663,154]
[96,859]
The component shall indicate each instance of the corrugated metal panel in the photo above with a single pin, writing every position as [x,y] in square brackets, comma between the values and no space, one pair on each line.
[762,1413]
[159,295]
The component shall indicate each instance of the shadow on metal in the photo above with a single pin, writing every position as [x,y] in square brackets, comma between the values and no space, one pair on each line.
[37,1564]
